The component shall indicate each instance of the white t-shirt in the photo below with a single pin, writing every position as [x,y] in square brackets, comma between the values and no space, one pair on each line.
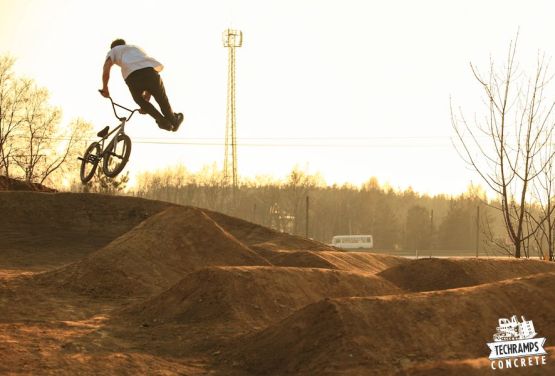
[132,58]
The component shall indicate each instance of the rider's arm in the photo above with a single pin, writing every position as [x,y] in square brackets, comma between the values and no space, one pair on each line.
[106,76]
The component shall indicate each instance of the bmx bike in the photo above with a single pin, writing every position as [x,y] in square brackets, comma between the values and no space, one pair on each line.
[115,155]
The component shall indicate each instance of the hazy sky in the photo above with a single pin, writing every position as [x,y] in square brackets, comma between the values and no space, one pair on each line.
[351,89]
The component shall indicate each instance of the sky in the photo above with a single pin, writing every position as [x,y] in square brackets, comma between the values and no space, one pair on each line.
[349,89]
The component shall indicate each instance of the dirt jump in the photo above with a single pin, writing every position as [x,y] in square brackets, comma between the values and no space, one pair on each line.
[93,284]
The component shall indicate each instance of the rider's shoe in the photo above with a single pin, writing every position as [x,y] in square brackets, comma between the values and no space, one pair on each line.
[178,120]
[164,124]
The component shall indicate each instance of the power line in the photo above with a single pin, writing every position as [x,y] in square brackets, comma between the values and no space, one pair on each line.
[355,138]
[305,145]
[285,142]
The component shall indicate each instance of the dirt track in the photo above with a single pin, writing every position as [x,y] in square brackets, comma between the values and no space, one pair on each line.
[95,284]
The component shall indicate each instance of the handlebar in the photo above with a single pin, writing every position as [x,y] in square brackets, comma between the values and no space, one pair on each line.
[114,104]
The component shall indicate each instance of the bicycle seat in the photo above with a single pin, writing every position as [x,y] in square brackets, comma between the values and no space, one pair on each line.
[103,133]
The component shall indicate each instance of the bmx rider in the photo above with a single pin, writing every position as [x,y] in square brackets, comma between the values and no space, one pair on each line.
[141,74]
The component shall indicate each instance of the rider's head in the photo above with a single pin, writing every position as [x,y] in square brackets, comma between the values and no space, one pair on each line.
[117,42]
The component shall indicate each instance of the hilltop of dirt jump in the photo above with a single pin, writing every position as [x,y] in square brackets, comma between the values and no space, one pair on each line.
[95,284]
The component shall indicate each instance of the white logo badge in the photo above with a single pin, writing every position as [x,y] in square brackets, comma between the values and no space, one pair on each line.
[514,345]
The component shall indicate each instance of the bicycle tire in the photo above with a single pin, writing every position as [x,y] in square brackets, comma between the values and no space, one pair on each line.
[112,153]
[86,177]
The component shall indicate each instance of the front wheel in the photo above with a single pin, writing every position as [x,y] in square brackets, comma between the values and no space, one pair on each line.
[117,155]
[89,162]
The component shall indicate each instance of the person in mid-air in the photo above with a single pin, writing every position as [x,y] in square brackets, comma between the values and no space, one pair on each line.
[140,73]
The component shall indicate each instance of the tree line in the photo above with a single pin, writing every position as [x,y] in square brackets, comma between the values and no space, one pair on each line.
[397,219]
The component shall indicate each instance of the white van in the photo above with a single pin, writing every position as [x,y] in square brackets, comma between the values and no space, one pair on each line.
[359,242]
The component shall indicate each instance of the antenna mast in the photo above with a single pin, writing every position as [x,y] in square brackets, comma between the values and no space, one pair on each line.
[231,39]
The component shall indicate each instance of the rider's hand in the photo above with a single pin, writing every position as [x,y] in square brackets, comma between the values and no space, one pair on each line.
[105,92]
[141,111]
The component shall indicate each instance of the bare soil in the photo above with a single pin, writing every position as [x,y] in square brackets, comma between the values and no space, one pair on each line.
[431,274]
[8,184]
[93,284]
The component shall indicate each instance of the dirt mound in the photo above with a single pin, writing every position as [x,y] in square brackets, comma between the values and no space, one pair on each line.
[440,274]
[300,259]
[48,228]
[58,228]
[349,261]
[260,237]
[155,255]
[254,295]
[383,334]
[9,184]
[362,261]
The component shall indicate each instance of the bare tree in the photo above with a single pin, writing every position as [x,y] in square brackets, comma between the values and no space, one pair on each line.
[33,144]
[543,212]
[504,147]
[39,125]
[14,96]
[298,185]
[46,146]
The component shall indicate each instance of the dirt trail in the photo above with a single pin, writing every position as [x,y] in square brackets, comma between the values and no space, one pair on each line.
[389,333]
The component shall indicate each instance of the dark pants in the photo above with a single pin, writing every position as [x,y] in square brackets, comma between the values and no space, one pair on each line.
[148,79]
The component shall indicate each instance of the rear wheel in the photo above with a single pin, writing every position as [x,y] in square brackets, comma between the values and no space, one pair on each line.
[89,162]
[117,155]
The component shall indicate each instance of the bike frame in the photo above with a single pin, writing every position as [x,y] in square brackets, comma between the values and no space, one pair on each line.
[120,129]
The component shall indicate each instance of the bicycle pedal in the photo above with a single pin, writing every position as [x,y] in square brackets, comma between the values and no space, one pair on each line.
[92,158]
